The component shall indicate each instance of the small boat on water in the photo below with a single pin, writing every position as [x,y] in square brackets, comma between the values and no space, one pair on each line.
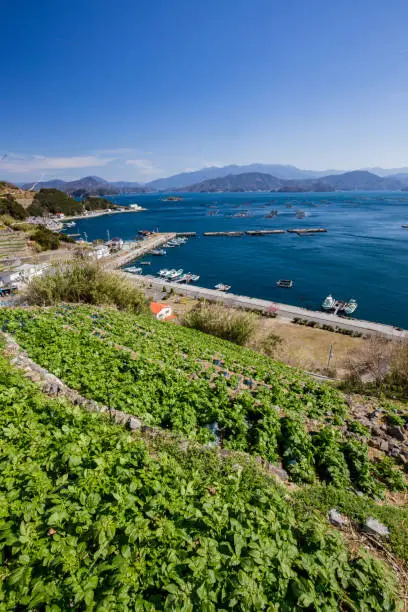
[187,278]
[350,307]
[175,242]
[285,283]
[222,287]
[170,274]
[134,270]
[145,263]
[70,224]
[158,252]
[173,274]
[328,303]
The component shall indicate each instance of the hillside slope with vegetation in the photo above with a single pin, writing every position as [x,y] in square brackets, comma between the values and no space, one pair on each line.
[96,517]
[220,494]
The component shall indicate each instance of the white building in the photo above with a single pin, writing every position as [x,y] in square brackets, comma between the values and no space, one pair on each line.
[9,278]
[27,272]
[100,251]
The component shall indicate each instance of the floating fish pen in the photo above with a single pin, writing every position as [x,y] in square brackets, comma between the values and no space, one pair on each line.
[285,283]
[313,230]
[231,234]
[264,232]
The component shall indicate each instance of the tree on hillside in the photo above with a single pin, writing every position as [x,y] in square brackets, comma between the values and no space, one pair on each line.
[9,206]
[51,201]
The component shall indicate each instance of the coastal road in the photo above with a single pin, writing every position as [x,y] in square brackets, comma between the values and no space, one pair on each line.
[283,310]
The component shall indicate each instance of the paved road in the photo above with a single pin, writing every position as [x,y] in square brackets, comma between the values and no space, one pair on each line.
[283,310]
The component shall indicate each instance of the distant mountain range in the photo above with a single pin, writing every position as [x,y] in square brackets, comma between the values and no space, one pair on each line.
[358,180]
[284,172]
[89,185]
[254,177]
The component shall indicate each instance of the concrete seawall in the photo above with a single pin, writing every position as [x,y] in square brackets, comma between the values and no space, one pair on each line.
[283,310]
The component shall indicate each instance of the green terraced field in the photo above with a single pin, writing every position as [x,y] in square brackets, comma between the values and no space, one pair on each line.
[92,518]
[205,388]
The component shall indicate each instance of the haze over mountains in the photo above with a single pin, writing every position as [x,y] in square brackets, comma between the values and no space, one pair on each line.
[253,177]
[285,172]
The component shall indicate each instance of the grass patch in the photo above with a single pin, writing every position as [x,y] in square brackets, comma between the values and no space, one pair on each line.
[222,322]
[84,282]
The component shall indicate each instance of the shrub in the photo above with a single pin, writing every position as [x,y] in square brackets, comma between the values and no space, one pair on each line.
[270,343]
[222,322]
[85,282]
[47,239]
[386,471]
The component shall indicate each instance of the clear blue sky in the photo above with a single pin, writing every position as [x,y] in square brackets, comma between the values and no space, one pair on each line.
[131,89]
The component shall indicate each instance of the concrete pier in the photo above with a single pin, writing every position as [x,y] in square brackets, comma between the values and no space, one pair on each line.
[310,230]
[141,248]
[231,234]
[264,232]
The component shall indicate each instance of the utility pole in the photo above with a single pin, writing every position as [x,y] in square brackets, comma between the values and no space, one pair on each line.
[330,356]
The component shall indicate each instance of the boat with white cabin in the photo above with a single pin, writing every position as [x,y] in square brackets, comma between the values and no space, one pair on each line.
[222,287]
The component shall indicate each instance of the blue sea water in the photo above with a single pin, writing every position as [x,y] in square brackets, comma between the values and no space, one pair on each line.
[363,255]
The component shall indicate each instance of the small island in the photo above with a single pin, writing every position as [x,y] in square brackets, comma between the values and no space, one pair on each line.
[172,199]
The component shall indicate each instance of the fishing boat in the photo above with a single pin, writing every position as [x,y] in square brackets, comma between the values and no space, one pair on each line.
[222,287]
[285,283]
[158,252]
[187,278]
[350,307]
[134,270]
[70,224]
[164,272]
[329,303]
[145,263]
[173,274]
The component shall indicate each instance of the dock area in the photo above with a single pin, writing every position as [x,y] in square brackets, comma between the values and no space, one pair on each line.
[153,241]
[283,310]
[186,234]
